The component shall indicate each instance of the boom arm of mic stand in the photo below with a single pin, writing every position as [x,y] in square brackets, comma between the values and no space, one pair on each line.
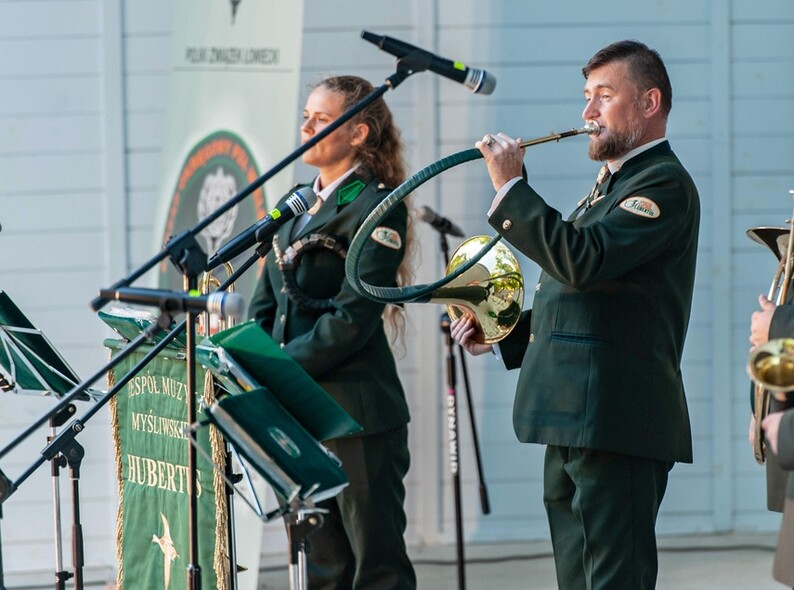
[404,69]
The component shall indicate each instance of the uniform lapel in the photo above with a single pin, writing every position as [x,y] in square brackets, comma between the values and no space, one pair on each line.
[335,203]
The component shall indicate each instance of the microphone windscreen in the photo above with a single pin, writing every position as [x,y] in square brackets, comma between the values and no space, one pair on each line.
[425,213]
[228,306]
[488,84]
[309,196]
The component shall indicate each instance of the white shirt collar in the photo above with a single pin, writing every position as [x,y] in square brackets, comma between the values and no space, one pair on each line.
[618,164]
[328,190]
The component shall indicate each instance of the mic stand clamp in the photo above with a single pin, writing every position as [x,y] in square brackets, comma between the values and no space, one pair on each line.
[301,522]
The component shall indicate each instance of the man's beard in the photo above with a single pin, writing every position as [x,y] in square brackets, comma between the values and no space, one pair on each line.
[617,143]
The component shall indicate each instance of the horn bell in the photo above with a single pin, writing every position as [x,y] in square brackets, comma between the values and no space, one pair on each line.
[491,292]
[771,365]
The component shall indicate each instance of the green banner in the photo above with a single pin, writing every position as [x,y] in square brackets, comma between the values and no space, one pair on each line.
[149,416]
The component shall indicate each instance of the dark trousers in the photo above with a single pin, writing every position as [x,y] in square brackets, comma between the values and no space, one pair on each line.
[360,545]
[602,511]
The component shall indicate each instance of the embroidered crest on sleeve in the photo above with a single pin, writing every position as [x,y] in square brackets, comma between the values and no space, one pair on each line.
[641,206]
[386,236]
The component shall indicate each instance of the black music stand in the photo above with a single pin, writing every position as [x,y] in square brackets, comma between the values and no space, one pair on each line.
[129,323]
[30,364]
[274,414]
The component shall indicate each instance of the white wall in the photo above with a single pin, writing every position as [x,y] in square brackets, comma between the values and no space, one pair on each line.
[83,89]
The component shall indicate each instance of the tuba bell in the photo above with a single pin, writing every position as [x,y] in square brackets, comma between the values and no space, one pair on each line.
[210,323]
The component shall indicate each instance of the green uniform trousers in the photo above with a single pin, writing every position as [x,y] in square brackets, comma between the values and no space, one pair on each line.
[602,509]
[360,545]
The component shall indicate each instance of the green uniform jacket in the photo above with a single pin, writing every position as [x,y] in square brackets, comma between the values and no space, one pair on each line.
[345,349]
[600,350]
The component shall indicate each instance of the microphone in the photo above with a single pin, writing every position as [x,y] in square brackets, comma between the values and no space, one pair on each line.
[439,222]
[225,305]
[296,204]
[478,81]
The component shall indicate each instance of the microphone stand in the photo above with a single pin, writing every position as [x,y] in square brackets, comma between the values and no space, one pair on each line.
[187,255]
[58,462]
[73,454]
[454,463]
[452,427]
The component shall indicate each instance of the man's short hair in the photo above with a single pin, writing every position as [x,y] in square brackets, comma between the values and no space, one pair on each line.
[645,67]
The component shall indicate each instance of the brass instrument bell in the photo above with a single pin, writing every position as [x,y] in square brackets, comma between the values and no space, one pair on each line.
[208,323]
[491,292]
[771,366]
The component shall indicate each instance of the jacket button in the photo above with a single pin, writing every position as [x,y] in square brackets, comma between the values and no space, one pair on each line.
[531,338]
[282,345]
[507,224]
[282,319]
[537,287]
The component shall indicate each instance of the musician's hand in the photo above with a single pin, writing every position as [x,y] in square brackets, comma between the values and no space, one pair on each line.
[462,331]
[751,432]
[760,321]
[771,426]
[503,156]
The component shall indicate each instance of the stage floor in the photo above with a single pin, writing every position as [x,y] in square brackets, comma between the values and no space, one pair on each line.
[705,562]
[724,562]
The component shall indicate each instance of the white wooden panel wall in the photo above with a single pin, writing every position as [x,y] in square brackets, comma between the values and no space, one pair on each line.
[762,173]
[147,53]
[52,204]
[82,100]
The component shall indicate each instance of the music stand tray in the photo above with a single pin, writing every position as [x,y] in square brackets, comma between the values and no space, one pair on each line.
[129,323]
[29,363]
[275,414]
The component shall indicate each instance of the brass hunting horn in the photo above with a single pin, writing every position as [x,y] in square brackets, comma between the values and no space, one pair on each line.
[487,286]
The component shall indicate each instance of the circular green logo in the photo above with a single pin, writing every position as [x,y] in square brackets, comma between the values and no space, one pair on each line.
[217,168]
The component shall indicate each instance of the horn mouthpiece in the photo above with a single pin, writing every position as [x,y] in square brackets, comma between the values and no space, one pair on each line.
[592,128]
